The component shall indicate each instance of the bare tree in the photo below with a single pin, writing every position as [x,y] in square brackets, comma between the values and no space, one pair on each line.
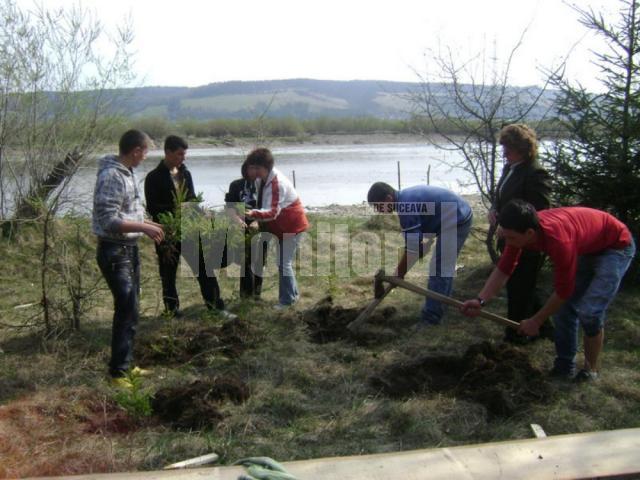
[55,97]
[58,69]
[466,102]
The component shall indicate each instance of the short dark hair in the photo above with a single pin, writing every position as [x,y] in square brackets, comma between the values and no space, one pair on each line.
[174,142]
[132,139]
[379,191]
[243,169]
[261,157]
[519,216]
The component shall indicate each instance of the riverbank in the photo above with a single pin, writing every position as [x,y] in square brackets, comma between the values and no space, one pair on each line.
[319,139]
[364,210]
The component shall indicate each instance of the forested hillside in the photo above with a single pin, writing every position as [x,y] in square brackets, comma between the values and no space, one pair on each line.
[300,98]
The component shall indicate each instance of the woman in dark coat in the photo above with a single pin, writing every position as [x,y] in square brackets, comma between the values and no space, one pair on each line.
[522,178]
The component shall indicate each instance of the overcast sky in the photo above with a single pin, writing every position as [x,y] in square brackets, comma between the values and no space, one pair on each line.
[195,42]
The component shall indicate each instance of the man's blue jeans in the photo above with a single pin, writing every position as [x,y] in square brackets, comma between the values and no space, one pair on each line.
[288,288]
[120,267]
[442,270]
[597,280]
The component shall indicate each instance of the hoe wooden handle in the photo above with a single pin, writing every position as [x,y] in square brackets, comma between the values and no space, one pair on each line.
[448,300]
[360,319]
[354,325]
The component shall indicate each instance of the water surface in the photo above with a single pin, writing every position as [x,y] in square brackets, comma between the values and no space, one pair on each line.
[324,174]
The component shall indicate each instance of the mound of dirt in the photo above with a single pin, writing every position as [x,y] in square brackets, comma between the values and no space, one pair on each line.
[328,323]
[500,377]
[193,343]
[197,405]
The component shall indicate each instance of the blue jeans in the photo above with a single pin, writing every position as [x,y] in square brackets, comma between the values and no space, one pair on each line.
[120,266]
[288,288]
[597,280]
[442,269]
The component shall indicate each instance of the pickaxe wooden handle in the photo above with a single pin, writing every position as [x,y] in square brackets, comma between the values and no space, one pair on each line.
[448,300]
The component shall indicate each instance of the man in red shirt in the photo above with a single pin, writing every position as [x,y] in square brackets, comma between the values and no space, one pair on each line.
[590,250]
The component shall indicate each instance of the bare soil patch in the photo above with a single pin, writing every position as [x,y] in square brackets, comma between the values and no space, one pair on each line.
[61,432]
[500,377]
[194,343]
[327,322]
[197,405]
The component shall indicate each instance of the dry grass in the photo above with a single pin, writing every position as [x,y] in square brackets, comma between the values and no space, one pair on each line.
[306,399]
[62,431]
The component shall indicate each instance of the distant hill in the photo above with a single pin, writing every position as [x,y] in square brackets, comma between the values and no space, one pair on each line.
[300,98]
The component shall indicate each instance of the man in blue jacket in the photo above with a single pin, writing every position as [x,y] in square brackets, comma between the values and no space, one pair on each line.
[425,210]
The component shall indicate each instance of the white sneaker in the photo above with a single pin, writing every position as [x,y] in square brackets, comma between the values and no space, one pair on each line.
[281,306]
[227,315]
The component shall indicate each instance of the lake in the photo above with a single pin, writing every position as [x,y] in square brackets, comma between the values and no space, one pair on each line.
[324,174]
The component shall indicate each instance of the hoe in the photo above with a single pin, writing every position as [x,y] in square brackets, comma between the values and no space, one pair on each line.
[398,282]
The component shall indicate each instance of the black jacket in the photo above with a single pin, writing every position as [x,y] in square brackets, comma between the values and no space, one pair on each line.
[529,182]
[242,191]
[160,192]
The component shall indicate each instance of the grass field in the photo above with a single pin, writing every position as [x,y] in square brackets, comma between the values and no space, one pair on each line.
[266,385]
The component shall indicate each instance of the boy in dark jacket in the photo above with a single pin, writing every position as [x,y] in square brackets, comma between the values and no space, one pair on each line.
[243,195]
[163,185]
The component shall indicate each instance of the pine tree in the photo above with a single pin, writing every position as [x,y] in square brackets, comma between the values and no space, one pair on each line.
[598,165]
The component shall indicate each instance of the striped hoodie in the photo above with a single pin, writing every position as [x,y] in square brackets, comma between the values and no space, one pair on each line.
[116,198]
[282,210]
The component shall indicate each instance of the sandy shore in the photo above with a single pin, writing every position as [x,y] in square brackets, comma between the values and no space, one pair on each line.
[321,139]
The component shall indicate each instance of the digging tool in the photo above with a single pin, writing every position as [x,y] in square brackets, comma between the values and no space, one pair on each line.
[360,319]
[445,299]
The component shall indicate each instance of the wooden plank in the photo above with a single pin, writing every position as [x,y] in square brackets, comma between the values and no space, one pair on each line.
[194,462]
[585,455]
[537,430]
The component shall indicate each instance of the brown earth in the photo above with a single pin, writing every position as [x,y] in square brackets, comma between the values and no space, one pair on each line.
[62,432]
[500,377]
[108,417]
[197,405]
[193,343]
[328,323]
